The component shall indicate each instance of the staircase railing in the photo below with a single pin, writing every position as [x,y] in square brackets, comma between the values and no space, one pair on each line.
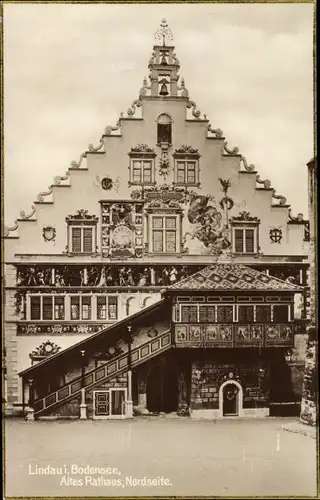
[103,373]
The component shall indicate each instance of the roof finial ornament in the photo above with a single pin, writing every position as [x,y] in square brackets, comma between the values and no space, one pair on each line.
[163,32]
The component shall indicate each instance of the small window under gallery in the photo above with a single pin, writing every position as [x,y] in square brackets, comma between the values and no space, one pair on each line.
[142,165]
[186,166]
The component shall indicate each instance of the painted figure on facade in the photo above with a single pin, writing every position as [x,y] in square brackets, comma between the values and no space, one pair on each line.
[207,221]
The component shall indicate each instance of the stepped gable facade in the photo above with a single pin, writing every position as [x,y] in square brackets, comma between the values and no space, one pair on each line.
[160,273]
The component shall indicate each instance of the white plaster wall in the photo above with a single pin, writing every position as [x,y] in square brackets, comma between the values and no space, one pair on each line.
[85,191]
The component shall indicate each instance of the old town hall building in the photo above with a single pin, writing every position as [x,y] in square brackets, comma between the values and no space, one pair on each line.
[160,274]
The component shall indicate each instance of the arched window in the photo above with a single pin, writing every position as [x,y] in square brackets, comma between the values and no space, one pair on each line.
[164,129]
[147,302]
[130,306]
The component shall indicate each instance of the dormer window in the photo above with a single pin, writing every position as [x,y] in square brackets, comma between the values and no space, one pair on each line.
[81,233]
[245,235]
[142,165]
[164,129]
[186,166]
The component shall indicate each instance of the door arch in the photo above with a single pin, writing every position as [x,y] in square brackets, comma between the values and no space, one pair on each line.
[230,399]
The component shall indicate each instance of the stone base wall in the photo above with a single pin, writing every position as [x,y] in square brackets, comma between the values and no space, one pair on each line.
[215,414]
[206,379]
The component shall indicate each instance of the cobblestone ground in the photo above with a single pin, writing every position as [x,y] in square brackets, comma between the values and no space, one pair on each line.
[223,458]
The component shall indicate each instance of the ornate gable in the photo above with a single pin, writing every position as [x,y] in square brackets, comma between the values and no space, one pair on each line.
[233,277]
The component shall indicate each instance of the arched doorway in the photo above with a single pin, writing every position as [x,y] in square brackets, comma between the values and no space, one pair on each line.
[162,389]
[230,399]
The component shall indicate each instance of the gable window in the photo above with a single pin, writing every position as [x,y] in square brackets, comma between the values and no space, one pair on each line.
[244,240]
[245,233]
[82,233]
[165,233]
[142,172]
[164,129]
[186,169]
[142,165]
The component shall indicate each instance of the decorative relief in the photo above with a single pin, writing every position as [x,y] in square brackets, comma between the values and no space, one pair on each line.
[58,329]
[49,233]
[109,128]
[122,229]
[40,196]
[282,199]
[218,133]
[182,89]
[234,151]
[99,276]
[275,235]
[226,201]
[107,183]
[136,104]
[186,150]
[75,164]
[245,216]
[44,350]
[82,216]
[141,149]
[266,183]
[94,149]
[164,164]
[23,215]
[195,112]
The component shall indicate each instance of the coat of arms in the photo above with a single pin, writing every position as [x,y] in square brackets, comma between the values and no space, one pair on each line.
[49,233]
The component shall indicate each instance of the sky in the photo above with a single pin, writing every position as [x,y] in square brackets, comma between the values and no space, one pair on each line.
[70,69]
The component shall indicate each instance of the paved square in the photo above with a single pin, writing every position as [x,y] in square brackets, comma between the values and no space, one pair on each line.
[181,457]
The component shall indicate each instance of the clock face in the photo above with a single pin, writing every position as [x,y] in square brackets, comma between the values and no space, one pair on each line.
[48,347]
[122,236]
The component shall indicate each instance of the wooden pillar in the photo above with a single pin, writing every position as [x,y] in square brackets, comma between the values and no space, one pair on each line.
[83,406]
[129,405]
[30,411]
